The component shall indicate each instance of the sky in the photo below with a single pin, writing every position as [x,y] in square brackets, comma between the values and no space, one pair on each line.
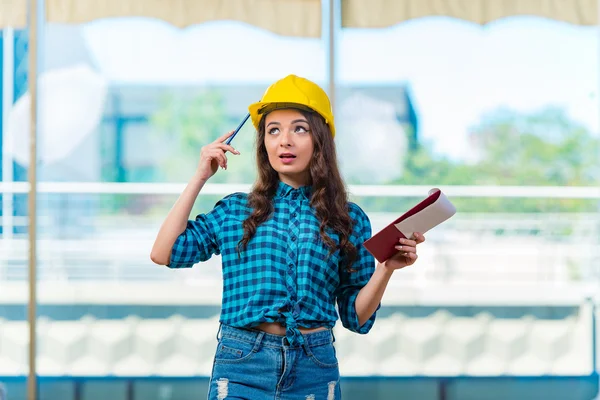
[456,70]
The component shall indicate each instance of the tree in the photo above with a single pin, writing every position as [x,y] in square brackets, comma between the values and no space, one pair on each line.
[186,125]
[545,148]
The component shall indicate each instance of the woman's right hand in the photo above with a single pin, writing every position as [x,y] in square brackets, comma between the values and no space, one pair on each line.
[212,156]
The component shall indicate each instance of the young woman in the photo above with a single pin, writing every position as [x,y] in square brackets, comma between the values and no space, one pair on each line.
[291,250]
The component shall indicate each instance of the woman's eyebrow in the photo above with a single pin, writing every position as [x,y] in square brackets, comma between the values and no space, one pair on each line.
[299,120]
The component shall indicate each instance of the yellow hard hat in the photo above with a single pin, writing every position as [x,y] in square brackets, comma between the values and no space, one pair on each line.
[293,92]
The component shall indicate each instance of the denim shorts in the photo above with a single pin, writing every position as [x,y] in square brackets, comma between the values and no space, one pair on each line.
[254,365]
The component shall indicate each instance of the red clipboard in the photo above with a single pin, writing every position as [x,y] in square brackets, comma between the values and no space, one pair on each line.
[430,212]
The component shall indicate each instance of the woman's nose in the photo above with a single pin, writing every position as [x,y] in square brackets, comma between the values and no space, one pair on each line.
[286,139]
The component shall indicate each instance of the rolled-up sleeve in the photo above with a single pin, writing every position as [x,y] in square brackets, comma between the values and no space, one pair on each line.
[352,282]
[199,242]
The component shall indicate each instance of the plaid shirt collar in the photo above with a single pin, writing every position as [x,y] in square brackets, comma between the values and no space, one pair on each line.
[285,190]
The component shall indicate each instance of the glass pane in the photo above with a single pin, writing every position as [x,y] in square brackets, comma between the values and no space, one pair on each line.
[138,100]
[14,245]
[504,118]
[490,114]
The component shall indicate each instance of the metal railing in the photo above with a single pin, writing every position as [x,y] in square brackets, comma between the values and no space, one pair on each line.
[84,237]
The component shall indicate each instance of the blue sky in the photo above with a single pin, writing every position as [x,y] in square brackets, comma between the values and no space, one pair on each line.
[456,70]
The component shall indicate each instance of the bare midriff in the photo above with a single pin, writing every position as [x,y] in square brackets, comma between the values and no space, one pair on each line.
[278,329]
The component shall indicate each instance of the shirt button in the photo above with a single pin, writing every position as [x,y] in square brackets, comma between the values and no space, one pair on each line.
[293,215]
[293,238]
[291,266]
[294,195]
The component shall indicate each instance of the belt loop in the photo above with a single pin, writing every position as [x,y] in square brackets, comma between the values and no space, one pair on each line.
[332,336]
[258,341]
[219,331]
[306,349]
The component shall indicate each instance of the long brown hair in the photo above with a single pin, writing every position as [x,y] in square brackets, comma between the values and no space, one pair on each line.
[329,198]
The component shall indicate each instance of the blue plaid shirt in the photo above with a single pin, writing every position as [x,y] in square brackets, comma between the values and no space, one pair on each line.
[286,274]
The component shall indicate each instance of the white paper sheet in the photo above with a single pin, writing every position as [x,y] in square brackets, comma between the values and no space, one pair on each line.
[429,217]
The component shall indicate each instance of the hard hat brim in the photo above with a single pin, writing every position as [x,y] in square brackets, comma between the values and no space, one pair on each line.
[259,109]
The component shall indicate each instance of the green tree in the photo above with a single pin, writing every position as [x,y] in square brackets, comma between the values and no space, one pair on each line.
[545,148]
[185,125]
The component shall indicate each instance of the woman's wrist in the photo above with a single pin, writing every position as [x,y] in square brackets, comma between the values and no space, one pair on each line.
[385,269]
[198,179]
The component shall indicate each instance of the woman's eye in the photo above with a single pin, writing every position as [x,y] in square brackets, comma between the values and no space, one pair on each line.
[273,131]
[301,129]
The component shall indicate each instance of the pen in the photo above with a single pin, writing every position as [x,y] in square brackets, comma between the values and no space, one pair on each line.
[230,138]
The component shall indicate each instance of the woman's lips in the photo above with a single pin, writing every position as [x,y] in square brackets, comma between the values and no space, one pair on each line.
[287,158]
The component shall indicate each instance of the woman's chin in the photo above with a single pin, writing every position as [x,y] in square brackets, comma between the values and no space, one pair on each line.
[291,168]
[298,176]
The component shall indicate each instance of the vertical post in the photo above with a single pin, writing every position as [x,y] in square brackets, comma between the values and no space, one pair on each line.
[78,389]
[35,14]
[119,148]
[593,304]
[331,24]
[130,391]
[593,268]
[596,298]
[8,67]
[442,388]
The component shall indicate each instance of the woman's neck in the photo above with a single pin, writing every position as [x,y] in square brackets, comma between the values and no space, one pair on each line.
[294,181]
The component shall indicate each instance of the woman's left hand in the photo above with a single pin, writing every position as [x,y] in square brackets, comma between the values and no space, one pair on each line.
[407,252]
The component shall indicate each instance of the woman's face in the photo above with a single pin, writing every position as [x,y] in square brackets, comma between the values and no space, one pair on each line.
[289,144]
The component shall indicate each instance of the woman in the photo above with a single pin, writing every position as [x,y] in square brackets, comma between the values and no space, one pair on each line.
[291,249]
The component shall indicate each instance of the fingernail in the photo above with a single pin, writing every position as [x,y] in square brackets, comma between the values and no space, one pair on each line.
[398,247]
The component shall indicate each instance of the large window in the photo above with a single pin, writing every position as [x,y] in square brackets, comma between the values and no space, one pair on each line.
[503,117]
[511,105]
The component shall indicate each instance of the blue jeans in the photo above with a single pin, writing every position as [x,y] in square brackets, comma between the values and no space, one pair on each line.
[254,365]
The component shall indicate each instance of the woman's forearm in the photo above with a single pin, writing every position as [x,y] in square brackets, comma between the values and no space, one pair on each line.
[370,295]
[176,222]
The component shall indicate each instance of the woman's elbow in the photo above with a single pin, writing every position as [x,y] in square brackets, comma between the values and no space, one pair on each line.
[362,321]
[158,258]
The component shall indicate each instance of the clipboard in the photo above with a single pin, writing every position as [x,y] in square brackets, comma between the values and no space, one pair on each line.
[426,215]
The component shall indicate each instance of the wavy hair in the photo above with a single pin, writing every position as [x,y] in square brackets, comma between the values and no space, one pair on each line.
[329,197]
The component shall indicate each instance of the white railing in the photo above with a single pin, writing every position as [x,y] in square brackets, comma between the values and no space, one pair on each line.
[471,248]
[549,192]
